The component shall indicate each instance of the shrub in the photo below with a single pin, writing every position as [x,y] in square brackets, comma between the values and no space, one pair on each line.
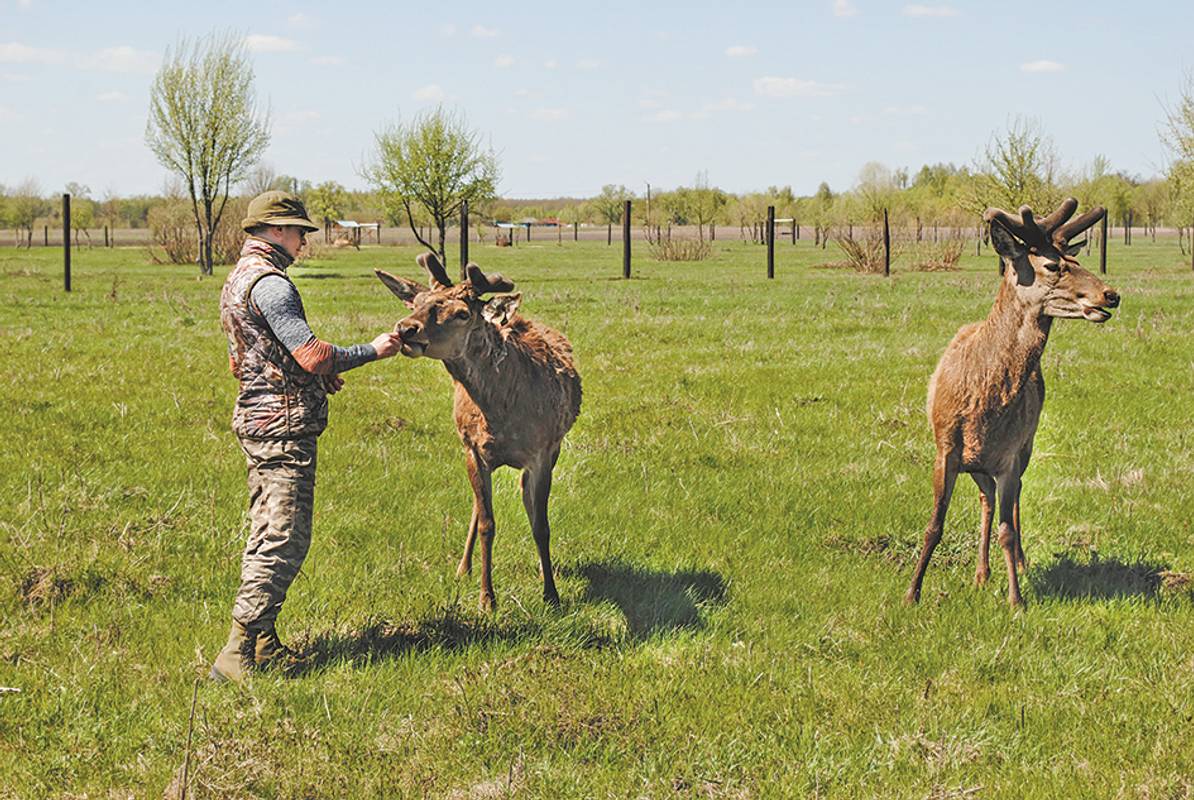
[865,254]
[680,250]
[940,256]
[172,228]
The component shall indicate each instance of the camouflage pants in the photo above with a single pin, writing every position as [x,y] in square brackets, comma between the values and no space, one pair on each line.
[281,498]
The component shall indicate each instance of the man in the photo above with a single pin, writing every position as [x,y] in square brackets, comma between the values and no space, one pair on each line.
[285,374]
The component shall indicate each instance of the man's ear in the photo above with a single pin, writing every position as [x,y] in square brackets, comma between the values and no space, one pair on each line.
[501,308]
[404,289]
[1006,244]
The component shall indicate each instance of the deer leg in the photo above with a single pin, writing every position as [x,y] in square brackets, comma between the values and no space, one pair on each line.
[986,486]
[1009,490]
[482,481]
[945,473]
[1025,455]
[466,561]
[536,487]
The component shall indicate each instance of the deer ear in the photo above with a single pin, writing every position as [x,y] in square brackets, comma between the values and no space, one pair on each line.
[1005,242]
[404,289]
[1075,248]
[500,309]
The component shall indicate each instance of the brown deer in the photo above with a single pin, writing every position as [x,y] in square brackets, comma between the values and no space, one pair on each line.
[986,394]
[517,394]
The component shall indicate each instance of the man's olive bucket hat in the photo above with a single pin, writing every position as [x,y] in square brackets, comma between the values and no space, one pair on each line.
[277,208]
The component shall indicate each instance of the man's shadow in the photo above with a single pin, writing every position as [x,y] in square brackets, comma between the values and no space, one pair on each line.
[381,639]
[1097,579]
[652,601]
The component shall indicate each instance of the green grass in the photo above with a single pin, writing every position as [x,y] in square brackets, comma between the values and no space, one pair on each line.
[735,517]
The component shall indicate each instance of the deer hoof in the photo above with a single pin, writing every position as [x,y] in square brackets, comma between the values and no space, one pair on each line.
[912,597]
[980,578]
[551,597]
[1016,602]
[488,603]
[465,568]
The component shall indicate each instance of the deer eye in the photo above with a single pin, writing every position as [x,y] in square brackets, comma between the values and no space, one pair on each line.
[1053,266]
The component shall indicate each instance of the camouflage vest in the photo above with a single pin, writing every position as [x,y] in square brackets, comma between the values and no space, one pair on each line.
[278,399]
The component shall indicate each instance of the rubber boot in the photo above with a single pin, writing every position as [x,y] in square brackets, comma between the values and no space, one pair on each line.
[237,658]
[269,650]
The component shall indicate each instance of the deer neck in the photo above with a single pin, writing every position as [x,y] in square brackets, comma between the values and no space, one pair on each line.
[1016,332]
[480,364]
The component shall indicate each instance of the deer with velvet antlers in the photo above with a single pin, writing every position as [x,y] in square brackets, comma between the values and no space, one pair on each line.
[517,394]
[986,394]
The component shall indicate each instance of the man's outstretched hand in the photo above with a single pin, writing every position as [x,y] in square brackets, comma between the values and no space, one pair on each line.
[387,344]
[333,383]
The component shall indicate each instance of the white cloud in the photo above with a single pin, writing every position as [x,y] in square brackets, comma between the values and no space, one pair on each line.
[503,61]
[13,77]
[727,104]
[1044,65]
[112,97]
[431,93]
[17,53]
[588,63]
[550,114]
[905,111]
[844,8]
[481,32]
[666,115]
[268,43]
[741,51]
[327,61]
[123,59]
[918,10]
[771,86]
[301,20]
[8,114]
[448,30]
[551,63]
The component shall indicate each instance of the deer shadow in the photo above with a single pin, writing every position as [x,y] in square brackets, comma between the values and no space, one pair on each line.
[652,601]
[1099,579]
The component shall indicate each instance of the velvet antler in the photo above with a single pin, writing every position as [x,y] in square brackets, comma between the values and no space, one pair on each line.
[1053,229]
[484,284]
[436,270]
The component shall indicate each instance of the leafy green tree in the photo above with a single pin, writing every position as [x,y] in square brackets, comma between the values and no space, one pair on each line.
[1019,168]
[327,202]
[608,206]
[204,125]
[435,163]
[25,206]
[82,210]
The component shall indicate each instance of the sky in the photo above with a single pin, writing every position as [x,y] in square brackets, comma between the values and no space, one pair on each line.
[575,96]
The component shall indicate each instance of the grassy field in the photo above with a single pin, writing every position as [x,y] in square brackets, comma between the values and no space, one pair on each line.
[735,517]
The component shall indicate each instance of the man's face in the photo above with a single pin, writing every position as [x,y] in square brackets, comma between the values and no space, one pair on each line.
[292,238]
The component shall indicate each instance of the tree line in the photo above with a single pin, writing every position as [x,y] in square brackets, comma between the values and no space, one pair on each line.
[206,129]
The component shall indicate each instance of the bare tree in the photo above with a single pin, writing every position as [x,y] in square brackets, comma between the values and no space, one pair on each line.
[609,205]
[436,162]
[205,126]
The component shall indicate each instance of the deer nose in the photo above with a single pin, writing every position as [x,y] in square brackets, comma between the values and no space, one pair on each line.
[407,327]
[1111,298]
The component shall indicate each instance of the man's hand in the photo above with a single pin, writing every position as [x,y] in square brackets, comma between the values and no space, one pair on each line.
[333,383]
[387,344]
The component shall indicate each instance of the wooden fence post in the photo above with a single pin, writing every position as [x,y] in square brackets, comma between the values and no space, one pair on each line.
[106,236]
[464,240]
[626,239]
[1103,245]
[66,241]
[45,232]
[770,232]
[886,246]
